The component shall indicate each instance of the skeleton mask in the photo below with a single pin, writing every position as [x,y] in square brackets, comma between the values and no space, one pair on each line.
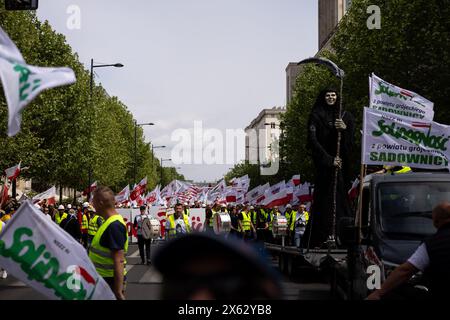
[331,98]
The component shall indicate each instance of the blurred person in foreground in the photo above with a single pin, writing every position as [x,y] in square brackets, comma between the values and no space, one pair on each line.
[3,273]
[432,258]
[110,244]
[202,266]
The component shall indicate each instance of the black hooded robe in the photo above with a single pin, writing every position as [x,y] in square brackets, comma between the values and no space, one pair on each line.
[322,141]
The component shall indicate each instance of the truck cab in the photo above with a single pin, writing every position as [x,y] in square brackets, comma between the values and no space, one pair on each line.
[396,218]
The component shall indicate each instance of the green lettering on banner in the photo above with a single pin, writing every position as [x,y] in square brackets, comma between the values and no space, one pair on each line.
[414,136]
[39,266]
[408,158]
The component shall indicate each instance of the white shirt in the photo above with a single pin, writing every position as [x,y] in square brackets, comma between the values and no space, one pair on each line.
[420,258]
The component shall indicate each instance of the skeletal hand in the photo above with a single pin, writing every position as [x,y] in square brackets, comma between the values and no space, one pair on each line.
[340,125]
[337,162]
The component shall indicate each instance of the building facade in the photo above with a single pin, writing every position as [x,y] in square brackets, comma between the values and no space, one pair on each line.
[262,136]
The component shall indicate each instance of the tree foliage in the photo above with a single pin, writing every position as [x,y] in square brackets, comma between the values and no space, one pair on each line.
[64,132]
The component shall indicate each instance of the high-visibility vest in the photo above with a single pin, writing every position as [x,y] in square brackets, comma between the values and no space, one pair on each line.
[187,212]
[254,216]
[59,217]
[264,213]
[84,223]
[246,221]
[93,226]
[173,231]
[1,226]
[402,170]
[271,219]
[213,216]
[289,215]
[100,256]
[294,216]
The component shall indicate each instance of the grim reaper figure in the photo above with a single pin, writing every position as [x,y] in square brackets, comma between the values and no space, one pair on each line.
[323,126]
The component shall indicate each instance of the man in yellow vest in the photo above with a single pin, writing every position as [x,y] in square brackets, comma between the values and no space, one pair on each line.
[95,222]
[270,217]
[297,224]
[110,244]
[177,223]
[60,215]
[85,225]
[245,224]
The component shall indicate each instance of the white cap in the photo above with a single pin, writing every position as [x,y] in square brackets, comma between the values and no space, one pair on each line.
[288,206]
[252,207]
[86,205]
[186,204]
[69,206]
[203,205]
[61,207]
[223,205]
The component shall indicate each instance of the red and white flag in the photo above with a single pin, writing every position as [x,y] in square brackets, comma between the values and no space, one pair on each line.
[353,192]
[123,195]
[139,189]
[49,195]
[90,189]
[4,194]
[13,172]
[278,197]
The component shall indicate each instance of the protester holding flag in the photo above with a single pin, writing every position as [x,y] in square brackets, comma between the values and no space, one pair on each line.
[110,244]
[137,225]
[71,226]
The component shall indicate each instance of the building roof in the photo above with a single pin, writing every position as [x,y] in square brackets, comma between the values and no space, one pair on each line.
[266,112]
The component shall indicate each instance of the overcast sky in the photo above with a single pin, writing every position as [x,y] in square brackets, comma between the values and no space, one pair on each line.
[216,61]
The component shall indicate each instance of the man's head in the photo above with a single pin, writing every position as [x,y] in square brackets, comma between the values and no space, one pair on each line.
[275,209]
[441,214]
[288,208]
[103,200]
[179,209]
[142,209]
[331,98]
[252,208]
[302,207]
[61,208]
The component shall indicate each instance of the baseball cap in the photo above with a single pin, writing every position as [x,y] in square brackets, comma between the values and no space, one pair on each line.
[69,206]
[86,205]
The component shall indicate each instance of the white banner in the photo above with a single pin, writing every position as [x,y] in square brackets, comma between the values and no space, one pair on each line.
[389,98]
[38,252]
[401,141]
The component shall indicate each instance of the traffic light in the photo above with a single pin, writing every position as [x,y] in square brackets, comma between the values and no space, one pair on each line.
[21,4]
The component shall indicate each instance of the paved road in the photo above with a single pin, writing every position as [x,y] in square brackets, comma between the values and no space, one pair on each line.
[144,283]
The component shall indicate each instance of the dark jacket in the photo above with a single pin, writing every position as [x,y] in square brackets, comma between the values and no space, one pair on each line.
[72,226]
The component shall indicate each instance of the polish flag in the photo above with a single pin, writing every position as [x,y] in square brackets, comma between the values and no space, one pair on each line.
[302,193]
[4,194]
[123,195]
[13,172]
[139,189]
[296,179]
[49,196]
[278,196]
[91,188]
[231,195]
[353,192]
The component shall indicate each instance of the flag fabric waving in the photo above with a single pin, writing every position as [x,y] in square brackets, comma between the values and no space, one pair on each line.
[13,172]
[22,82]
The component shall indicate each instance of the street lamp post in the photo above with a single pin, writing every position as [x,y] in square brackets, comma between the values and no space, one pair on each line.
[136,125]
[91,87]
[162,160]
